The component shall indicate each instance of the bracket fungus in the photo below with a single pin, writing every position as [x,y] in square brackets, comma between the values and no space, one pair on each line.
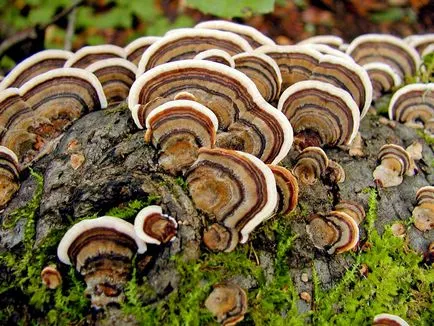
[413,105]
[310,165]
[33,66]
[101,250]
[335,172]
[152,226]
[216,55]
[420,42]
[250,34]
[395,162]
[383,78]
[9,175]
[388,320]
[51,277]
[179,128]
[242,113]
[287,189]
[387,49]
[428,50]
[116,76]
[330,40]
[320,113]
[326,49]
[136,48]
[423,213]
[351,208]
[236,188]
[90,54]
[227,302]
[335,232]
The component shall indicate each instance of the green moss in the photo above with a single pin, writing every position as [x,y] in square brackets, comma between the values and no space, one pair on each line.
[429,140]
[130,209]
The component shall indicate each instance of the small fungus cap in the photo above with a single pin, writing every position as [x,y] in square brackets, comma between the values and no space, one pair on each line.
[90,54]
[330,40]
[311,164]
[287,189]
[136,48]
[389,320]
[216,55]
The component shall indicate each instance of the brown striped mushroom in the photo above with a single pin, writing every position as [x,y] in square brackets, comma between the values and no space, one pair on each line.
[263,71]
[101,250]
[335,173]
[116,76]
[152,226]
[51,277]
[413,105]
[420,42]
[235,188]
[35,65]
[388,320]
[227,302]
[325,49]
[136,48]
[395,162]
[387,49]
[383,78]
[353,209]
[9,175]
[250,34]
[423,213]
[216,55]
[90,54]
[247,121]
[310,165]
[186,43]
[335,232]
[330,40]
[287,189]
[320,114]
[178,129]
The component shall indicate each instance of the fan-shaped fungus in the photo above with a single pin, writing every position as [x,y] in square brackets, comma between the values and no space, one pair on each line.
[388,320]
[311,164]
[51,277]
[383,78]
[218,56]
[152,226]
[351,208]
[9,175]
[420,42]
[330,40]
[395,162]
[335,172]
[287,189]
[423,213]
[136,48]
[90,54]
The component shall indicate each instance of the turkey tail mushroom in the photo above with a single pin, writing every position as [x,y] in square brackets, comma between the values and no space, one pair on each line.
[395,162]
[311,164]
[216,55]
[353,209]
[90,54]
[423,213]
[330,40]
[383,78]
[136,48]
[420,42]
[388,320]
[287,189]
[9,175]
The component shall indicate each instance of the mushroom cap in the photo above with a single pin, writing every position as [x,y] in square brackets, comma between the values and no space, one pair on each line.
[51,277]
[353,209]
[12,107]
[413,103]
[236,187]
[9,175]
[90,54]
[34,65]
[9,162]
[326,49]
[186,43]
[420,42]
[82,233]
[136,48]
[152,226]
[389,320]
[230,94]
[429,49]
[220,238]
[287,189]
[116,76]
[323,108]
[396,153]
[216,55]
[383,78]
[388,49]
[335,172]
[263,71]
[250,34]
[330,40]
[311,164]
[425,195]
[424,217]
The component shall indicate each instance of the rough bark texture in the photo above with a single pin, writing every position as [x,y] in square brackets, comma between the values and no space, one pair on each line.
[119,167]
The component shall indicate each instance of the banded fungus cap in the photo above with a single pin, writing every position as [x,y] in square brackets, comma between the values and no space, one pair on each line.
[51,277]
[311,164]
[335,232]
[383,78]
[136,48]
[186,43]
[388,320]
[320,114]
[90,54]
[425,195]
[116,76]
[335,172]
[235,187]
[395,162]
[330,40]
[413,104]
[216,55]
[35,65]
[420,42]
[428,50]
[179,128]
[423,213]
[250,34]
[287,189]
[228,302]
[351,208]
[9,175]
[221,238]
[326,49]
[152,226]
[387,49]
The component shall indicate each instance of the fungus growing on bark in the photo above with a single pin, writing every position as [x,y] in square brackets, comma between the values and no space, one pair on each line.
[236,188]
[320,114]
[311,164]
[178,129]
[90,54]
[227,302]
[9,175]
[250,34]
[395,162]
[33,66]
[136,48]
[335,232]
[326,49]
[116,76]
[287,189]
[351,208]
[101,250]
[387,49]
[423,213]
[245,117]
[51,277]
[221,238]
[420,42]
[383,78]
[413,105]
[216,55]
[152,226]
[335,172]
[388,320]
[330,40]
[186,43]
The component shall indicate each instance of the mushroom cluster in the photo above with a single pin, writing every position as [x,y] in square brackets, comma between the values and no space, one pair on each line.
[395,162]
[423,213]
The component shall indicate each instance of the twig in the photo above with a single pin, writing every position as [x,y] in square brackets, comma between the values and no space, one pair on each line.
[70,29]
